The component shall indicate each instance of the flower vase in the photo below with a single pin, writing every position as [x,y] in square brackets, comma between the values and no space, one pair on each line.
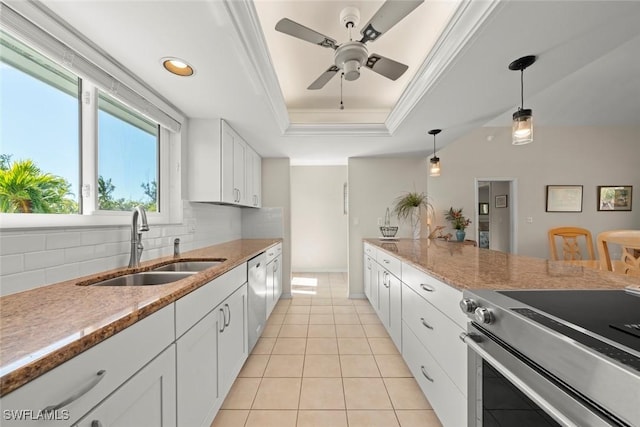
[415,223]
[460,235]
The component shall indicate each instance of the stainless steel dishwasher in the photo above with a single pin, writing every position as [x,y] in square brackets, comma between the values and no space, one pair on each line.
[257,299]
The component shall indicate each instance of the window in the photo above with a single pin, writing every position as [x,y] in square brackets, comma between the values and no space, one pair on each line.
[39,112]
[128,156]
[69,147]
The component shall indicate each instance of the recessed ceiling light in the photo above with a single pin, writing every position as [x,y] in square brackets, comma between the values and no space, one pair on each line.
[178,67]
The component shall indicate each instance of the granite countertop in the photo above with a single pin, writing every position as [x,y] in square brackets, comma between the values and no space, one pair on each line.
[468,267]
[44,327]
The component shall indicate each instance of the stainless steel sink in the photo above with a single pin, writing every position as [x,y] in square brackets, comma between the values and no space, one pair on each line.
[187,265]
[145,278]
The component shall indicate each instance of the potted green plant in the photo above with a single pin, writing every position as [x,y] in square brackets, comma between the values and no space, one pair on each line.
[458,221]
[409,206]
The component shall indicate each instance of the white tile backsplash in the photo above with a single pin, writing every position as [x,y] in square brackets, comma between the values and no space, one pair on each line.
[32,258]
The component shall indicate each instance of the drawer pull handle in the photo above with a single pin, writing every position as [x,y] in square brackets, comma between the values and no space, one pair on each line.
[229,310]
[424,372]
[428,326]
[386,261]
[99,377]
[426,287]
[224,320]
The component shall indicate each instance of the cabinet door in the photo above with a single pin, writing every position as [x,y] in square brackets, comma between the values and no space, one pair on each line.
[395,310]
[277,279]
[383,296]
[367,276]
[146,399]
[239,170]
[197,353]
[232,339]
[229,194]
[374,280]
[256,184]
[270,287]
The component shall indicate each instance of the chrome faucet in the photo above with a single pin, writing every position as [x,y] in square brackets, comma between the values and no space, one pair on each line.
[136,235]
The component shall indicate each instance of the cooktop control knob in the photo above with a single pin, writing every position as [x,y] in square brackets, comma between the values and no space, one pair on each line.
[483,315]
[468,305]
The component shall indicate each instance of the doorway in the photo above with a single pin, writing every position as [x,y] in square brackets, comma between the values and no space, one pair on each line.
[496,213]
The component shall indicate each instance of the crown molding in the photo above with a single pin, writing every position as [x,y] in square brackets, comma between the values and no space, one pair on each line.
[337,129]
[467,19]
[246,24]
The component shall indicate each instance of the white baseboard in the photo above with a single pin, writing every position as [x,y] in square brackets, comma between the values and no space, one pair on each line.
[357,296]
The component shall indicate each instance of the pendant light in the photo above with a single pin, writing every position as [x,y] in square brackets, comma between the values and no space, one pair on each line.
[434,162]
[522,130]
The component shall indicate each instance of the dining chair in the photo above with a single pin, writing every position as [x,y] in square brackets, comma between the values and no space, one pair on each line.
[570,238]
[628,242]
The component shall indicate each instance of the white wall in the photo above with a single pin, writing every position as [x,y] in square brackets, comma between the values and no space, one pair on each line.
[276,193]
[588,156]
[31,258]
[318,221]
[374,184]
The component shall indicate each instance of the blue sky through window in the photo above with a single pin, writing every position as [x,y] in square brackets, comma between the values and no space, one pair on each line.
[40,122]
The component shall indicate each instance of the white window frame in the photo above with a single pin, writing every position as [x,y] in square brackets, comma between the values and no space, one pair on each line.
[169,172]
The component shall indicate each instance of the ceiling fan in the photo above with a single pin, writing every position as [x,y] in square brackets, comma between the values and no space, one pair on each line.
[350,56]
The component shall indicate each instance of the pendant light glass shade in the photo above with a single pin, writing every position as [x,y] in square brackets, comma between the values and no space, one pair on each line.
[522,127]
[434,166]
[434,162]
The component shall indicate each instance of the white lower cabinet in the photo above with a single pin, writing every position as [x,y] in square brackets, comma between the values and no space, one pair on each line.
[78,385]
[146,399]
[448,402]
[209,357]
[232,339]
[274,277]
[386,287]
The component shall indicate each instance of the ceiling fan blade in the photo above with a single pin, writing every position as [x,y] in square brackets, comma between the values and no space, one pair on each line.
[324,78]
[386,67]
[389,14]
[287,26]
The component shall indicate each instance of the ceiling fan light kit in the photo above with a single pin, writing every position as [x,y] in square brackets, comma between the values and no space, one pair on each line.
[350,56]
[522,125]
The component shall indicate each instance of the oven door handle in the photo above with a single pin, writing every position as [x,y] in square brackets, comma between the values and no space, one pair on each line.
[532,394]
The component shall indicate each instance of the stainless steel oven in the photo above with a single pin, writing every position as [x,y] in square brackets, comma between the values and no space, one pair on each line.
[549,358]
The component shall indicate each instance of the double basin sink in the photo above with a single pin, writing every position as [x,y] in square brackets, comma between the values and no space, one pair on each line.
[162,275]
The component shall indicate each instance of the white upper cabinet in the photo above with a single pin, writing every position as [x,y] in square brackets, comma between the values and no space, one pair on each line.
[221,166]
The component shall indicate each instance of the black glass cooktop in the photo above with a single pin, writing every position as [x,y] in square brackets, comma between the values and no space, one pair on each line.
[605,313]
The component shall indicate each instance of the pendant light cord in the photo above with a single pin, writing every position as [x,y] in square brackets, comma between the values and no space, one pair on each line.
[522,89]
[434,145]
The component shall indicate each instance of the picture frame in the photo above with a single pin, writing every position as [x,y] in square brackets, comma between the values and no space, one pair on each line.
[564,198]
[501,201]
[483,208]
[614,198]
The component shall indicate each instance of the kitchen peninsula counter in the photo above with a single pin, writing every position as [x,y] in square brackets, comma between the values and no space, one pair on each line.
[44,327]
[467,267]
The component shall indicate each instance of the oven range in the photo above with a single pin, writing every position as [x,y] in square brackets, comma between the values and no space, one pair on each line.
[553,357]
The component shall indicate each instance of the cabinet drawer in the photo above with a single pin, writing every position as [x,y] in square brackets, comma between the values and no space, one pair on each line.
[119,356]
[445,398]
[444,297]
[273,252]
[195,305]
[370,250]
[390,263]
[438,334]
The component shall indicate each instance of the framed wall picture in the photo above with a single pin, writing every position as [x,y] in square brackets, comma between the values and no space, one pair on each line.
[501,201]
[564,198]
[483,208]
[614,197]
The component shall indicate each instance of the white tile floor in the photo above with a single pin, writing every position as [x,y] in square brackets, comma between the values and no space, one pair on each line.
[325,361]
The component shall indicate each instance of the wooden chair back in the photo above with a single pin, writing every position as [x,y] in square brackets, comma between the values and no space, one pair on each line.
[629,243]
[570,243]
